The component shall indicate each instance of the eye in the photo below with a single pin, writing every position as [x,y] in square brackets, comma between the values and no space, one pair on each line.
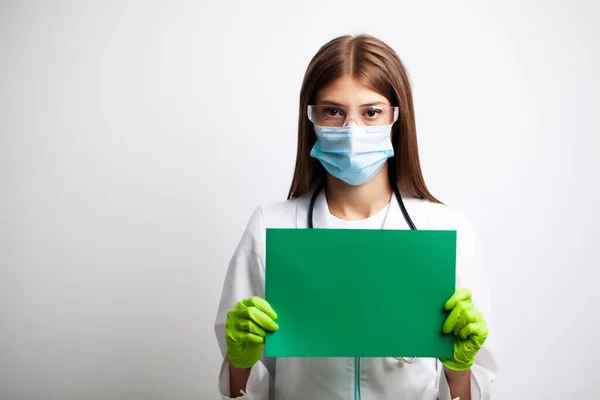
[332,112]
[372,113]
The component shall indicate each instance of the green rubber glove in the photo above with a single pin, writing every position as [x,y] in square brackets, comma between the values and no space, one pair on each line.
[469,328]
[245,330]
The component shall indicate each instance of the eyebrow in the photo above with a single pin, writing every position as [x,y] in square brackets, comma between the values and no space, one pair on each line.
[374,103]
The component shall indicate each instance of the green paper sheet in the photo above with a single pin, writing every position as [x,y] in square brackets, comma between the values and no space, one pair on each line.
[359,293]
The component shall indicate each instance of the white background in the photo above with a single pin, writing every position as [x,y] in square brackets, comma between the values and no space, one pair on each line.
[137,138]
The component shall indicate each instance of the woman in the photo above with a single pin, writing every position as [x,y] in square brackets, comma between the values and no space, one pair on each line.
[357,146]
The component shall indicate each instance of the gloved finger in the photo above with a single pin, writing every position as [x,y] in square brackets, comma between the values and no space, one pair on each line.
[259,317]
[238,338]
[459,296]
[247,325]
[261,304]
[478,328]
[452,319]
[233,336]
[467,316]
[255,338]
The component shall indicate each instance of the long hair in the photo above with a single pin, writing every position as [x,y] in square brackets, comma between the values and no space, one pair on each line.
[377,66]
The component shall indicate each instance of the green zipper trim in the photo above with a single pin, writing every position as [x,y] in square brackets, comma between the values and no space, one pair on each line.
[357,395]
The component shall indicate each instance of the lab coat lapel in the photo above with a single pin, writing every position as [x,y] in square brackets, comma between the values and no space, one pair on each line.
[321,214]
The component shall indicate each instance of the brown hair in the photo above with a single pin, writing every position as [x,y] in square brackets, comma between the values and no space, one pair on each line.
[378,66]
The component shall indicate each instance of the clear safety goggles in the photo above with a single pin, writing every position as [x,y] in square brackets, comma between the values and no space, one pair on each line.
[338,116]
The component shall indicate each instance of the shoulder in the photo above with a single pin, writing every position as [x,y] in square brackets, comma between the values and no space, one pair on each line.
[290,213]
[282,214]
[436,215]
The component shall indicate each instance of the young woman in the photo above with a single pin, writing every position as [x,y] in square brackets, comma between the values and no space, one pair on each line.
[357,167]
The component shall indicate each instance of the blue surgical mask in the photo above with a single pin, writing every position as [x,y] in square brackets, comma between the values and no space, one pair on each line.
[353,154]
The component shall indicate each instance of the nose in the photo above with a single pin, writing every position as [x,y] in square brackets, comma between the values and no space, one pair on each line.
[348,119]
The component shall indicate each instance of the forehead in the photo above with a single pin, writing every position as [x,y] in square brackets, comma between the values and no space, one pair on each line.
[349,91]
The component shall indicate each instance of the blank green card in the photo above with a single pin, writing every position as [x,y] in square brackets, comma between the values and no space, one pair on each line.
[359,293]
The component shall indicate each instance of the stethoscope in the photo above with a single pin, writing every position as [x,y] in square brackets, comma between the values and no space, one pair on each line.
[407,218]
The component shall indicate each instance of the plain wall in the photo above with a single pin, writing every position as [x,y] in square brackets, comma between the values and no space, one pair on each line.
[136,138]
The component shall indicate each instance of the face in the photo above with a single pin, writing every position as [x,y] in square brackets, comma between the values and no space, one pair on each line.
[362,104]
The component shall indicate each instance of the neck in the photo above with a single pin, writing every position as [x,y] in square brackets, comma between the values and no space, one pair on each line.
[353,203]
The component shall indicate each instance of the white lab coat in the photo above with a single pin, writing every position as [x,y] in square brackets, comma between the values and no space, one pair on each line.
[351,378]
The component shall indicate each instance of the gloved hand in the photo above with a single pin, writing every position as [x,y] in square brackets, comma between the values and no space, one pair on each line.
[469,328]
[245,330]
